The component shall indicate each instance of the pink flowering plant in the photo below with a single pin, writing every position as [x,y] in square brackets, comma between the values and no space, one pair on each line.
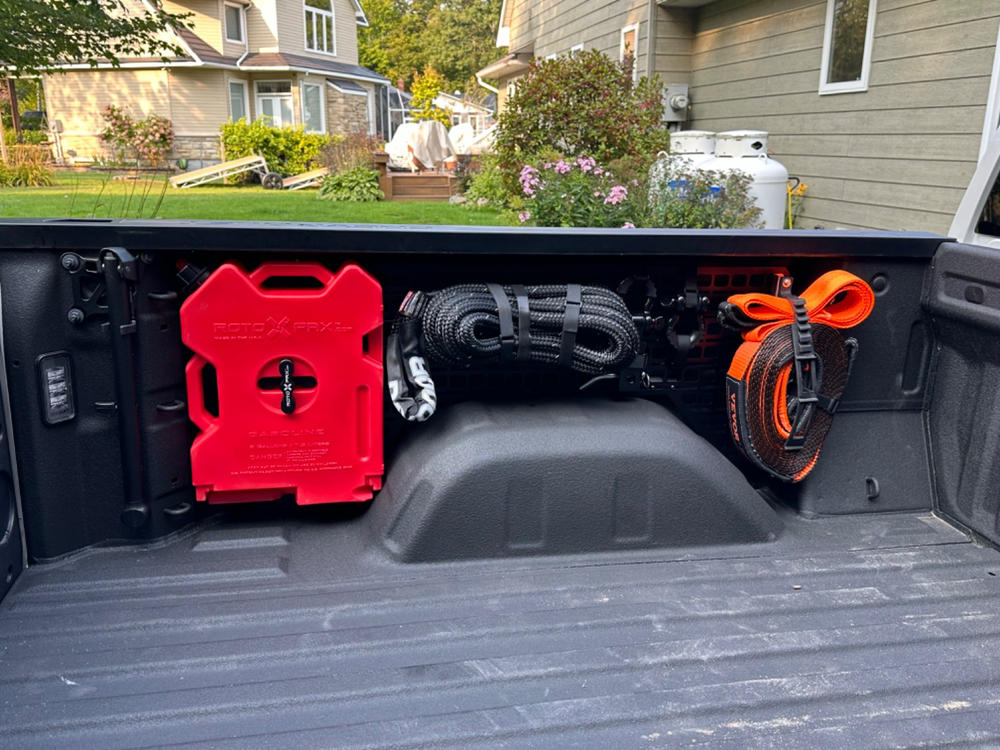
[577,193]
[148,140]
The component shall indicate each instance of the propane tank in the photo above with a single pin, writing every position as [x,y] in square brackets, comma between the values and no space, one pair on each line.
[689,149]
[696,146]
[746,151]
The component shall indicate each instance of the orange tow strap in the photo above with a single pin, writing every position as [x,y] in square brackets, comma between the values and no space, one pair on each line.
[785,382]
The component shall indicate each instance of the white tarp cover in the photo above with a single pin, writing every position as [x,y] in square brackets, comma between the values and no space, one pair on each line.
[462,136]
[420,145]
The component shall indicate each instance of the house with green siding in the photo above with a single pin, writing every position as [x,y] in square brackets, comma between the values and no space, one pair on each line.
[882,107]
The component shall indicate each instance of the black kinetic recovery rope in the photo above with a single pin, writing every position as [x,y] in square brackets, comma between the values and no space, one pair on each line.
[583,328]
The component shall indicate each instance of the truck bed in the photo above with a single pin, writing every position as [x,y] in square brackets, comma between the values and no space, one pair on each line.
[877,630]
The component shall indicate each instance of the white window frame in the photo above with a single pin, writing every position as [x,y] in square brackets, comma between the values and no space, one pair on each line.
[243,23]
[635,53]
[246,97]
[575,49]
[259,110]
[322,106]
[306,10]
[846,87]
[370,106]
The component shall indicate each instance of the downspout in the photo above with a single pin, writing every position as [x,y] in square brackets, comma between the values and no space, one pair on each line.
[246,38]
[486,86]
[651,39]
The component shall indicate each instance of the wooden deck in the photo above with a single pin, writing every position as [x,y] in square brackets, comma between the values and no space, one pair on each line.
[418,186]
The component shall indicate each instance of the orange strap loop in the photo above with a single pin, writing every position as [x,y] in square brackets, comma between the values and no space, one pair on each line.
[837,299]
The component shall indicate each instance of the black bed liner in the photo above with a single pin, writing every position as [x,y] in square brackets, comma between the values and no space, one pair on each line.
[849,631]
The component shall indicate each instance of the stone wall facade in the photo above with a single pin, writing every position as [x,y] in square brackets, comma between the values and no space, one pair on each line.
[200,151]
[346,113]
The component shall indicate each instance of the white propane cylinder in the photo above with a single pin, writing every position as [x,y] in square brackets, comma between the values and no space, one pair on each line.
[690,148]
[746,151]
[696,146]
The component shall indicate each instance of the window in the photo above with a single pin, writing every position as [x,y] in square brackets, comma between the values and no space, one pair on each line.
[312,108]
[234,23]
[629,47]
[320,27]
[989,219]
[575,50]
[238,101]
[274,101]
[847,46]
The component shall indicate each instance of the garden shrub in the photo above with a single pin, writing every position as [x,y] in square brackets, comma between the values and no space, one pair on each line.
[28,137]
[349,151]
[288,151]
[583,104]
[576,193]
[149,139]
[359,185]
[681,196]
[28,167]
[486,185]
[580,193]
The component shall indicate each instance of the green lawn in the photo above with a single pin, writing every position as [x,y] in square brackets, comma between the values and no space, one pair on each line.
[87,194]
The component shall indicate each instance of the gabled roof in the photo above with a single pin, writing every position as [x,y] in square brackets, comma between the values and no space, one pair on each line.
[359,14]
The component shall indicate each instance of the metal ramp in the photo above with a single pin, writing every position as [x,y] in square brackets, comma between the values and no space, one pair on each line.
[195,177]
[307,179]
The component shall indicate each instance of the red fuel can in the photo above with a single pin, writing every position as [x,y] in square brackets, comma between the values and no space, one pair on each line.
[297,354]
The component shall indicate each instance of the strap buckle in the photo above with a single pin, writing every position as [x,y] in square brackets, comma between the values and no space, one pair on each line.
[806,375]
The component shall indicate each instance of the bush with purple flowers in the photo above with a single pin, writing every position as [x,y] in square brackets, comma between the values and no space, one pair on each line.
[576,193]
[581,193]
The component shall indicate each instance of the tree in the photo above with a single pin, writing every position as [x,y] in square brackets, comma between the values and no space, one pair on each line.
[425,90]
[375,41]
[44,34]
[462,39]
[455,37]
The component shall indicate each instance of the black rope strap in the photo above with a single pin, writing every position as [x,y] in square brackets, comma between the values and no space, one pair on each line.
[571,324]
[523,323]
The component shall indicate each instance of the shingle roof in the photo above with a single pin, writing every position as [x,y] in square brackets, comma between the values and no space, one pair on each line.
[203,49]
[347,85]
[282,59]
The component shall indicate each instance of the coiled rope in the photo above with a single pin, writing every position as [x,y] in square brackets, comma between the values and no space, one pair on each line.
[583,328]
